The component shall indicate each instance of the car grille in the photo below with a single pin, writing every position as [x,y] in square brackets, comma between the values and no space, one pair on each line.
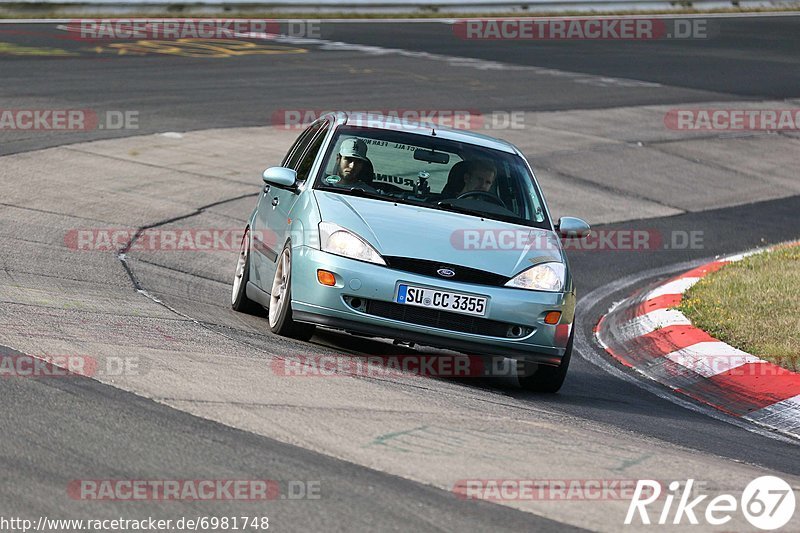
[429,268]
[444,319]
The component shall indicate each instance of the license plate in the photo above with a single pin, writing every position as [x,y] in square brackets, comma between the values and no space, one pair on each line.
[442,300]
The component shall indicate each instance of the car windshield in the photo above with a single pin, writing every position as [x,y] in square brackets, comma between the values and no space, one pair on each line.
[432,172]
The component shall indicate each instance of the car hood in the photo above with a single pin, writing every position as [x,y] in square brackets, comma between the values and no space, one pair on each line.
[452,238]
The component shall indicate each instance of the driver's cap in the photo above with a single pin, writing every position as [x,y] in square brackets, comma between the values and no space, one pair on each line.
[354,148]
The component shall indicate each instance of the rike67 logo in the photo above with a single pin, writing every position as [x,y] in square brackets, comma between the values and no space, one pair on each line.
[768,503]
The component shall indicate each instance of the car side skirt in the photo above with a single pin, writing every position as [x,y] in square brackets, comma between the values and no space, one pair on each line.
[257,295]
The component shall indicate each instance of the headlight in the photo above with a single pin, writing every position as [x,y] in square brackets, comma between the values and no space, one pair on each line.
[543,277]
[337,240]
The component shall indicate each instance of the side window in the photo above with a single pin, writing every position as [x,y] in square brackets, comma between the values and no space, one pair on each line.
[311,154]
[299,147]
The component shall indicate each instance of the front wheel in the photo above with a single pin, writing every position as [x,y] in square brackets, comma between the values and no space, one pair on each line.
[280,303]
[543,378]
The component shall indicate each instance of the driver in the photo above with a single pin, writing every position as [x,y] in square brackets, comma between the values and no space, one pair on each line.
[479,175]
[352,165]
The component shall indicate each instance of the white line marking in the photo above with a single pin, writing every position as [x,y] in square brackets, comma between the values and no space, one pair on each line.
[739,257]
[649,322]
[677,286]
[453,61]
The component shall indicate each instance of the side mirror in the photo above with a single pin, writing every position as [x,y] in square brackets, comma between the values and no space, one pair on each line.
[571,227]
[280,177]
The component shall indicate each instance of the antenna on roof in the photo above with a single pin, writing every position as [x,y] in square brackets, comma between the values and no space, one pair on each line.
[433,132]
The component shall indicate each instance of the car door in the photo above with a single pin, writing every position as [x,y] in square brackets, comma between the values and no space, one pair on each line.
[275,203]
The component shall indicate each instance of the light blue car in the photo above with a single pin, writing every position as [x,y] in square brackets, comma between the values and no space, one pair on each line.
[416,233]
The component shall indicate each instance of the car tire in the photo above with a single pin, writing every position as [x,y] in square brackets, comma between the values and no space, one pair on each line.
[544,378]
[280,308]
[239,300]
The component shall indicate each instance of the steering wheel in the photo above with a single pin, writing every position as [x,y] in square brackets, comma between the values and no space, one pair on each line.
[486,196]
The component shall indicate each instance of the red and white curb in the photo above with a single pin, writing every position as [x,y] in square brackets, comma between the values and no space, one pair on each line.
[645,333]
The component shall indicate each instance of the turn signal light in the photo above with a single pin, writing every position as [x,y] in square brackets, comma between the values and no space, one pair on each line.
[326,278]
[552,317]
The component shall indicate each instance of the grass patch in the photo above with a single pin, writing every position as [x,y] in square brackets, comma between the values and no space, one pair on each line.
[753,305]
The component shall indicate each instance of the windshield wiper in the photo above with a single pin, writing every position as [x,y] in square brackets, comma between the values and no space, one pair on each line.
[450,206]
[356,191]
[363,193]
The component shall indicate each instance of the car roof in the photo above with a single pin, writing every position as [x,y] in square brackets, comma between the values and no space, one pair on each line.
[394,123]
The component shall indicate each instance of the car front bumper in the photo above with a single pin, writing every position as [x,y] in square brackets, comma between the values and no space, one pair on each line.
[328,306]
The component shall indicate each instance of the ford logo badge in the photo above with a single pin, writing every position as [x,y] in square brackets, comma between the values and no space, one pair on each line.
[446,272]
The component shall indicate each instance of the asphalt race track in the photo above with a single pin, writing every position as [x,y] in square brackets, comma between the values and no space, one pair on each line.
[206,402]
